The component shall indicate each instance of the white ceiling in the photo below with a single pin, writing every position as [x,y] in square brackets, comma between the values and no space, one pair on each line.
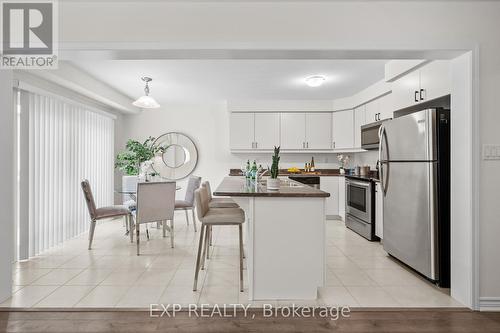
[177,80]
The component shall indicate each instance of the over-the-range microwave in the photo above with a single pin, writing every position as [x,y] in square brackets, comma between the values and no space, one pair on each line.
[370,135]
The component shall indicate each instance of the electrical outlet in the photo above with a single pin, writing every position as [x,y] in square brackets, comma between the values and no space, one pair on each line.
[491,152]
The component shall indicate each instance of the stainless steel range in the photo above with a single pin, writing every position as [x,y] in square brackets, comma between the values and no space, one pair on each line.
[360,206]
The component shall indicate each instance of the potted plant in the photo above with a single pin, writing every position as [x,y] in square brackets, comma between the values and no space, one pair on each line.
[136,160]
[273,183]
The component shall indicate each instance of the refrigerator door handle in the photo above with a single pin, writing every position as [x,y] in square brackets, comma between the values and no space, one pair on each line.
[382,140]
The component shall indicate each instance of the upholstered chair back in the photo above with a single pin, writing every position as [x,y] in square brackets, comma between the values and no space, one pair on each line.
[209,190]
[155,201]
[89,199]
[201,201]
[193,183]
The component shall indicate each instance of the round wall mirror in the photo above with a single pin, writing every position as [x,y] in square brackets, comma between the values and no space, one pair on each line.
[177,157]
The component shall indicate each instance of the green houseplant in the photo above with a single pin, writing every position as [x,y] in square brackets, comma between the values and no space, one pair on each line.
[273,183]
[136,154]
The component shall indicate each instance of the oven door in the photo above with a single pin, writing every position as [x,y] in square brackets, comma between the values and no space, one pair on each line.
[358,199]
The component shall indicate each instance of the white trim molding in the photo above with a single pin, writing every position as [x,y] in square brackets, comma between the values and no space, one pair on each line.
[489,304]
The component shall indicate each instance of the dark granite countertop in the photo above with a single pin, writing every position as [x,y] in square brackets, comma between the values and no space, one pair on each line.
[284,172]
[240,187]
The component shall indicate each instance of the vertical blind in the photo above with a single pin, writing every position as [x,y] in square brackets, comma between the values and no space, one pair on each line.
[67,143]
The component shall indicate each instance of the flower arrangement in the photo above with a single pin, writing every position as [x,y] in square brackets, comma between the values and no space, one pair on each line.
[343,161]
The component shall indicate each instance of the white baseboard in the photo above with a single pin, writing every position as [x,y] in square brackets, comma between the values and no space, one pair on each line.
[489,304]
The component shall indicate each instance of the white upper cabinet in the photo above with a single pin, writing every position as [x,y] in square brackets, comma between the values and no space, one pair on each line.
[254,130]
[386,109]
[431,81]
[405,91]
[293,130]
[372,111]
[267,130]
[318,131]
[242,131]
[379,109]
[435,80]
[343,129]
[359,120]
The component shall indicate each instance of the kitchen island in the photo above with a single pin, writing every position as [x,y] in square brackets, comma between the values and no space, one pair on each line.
[285,239]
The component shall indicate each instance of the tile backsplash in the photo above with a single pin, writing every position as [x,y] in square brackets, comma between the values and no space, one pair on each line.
[321,161]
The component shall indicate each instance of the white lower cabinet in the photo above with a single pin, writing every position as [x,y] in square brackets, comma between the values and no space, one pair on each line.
[379,211]
[330,184]
[342,197]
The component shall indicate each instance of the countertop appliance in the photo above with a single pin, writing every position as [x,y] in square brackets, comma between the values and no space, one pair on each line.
[370,135]
[313,181]
[360,206]
[414,173]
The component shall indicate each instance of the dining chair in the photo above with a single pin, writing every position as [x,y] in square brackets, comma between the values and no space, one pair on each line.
[102,212]
[188,202]
[210,217]
[155,203]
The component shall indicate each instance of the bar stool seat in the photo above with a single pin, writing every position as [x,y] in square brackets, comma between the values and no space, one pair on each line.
[222,203]
[210,217]
[223,216]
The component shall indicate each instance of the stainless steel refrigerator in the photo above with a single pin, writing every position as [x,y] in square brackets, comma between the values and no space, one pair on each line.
[414,155]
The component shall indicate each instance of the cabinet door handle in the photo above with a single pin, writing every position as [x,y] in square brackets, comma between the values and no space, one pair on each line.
[308,145]
[422,92]
[333,144]
[256,145]
[416,93]
[303,144]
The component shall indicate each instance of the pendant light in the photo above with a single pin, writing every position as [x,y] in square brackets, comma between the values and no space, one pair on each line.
[146,101]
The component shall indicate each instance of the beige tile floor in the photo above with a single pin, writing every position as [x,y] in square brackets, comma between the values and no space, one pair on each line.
[359,273]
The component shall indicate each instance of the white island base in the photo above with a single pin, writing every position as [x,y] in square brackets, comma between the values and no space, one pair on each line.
[284,247]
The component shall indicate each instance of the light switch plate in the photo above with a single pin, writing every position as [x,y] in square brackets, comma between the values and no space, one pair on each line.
[491,152]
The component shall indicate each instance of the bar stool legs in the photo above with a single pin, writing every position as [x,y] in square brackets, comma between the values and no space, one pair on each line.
[203,248]
[241,257]
[198,258]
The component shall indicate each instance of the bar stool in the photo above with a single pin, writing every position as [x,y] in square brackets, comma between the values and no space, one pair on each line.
[210,217]
[218,202]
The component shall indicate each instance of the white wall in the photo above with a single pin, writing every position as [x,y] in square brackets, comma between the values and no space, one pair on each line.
[207,124]
[7,189]
[355,25]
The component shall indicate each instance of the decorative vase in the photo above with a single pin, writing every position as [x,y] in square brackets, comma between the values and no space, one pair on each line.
[273,184]
[342,171]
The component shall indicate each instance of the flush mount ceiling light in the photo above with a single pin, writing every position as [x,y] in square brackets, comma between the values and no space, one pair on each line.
[146,101]
[315,80]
